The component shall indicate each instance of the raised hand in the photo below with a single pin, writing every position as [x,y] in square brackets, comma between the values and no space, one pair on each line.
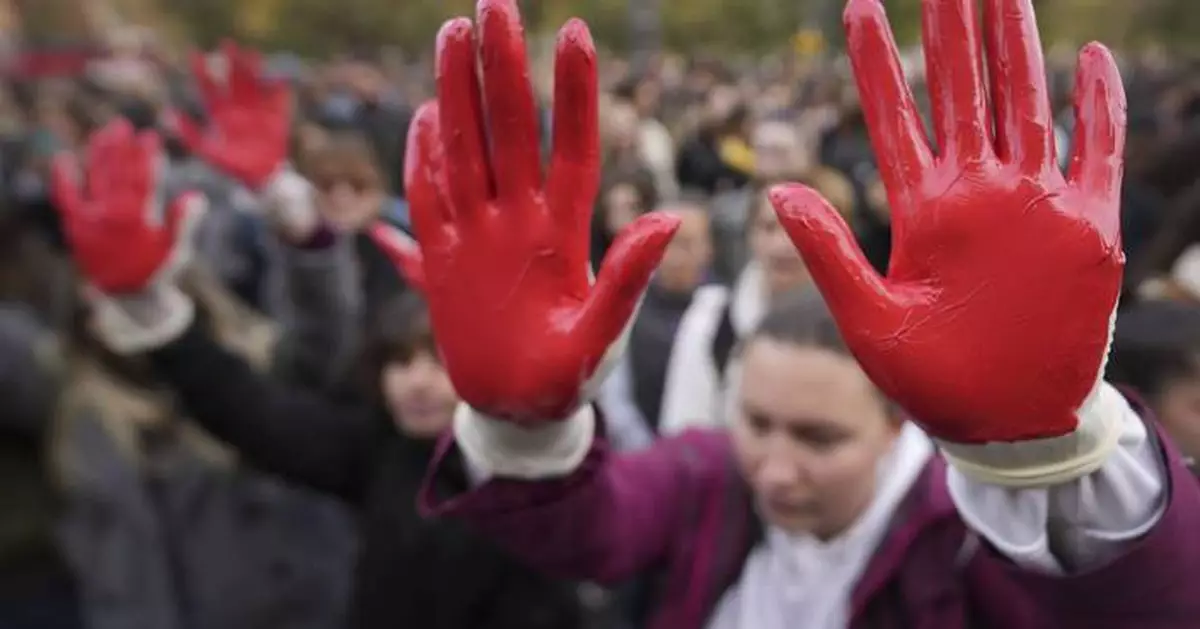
[994,320]
[520,326]
[123,234]
[250,118]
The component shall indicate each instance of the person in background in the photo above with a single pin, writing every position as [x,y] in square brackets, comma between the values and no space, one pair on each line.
[626,194]
[368,452]
[37,588]
[714,158]
[781,153]
[1055,502]
[718,317]
[339,177]
[632,396]
[655,144]
[1156,353]
[362,102]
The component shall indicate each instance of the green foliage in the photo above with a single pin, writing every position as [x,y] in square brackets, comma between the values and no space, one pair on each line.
[322,27]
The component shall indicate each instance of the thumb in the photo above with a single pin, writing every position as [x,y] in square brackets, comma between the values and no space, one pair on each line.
[623,277]
[854,291]
[188,131]
[403,251]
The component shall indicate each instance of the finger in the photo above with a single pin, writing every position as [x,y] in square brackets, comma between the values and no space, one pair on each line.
[1099,139]
[574,176]
[403,251]
[855,292]
[622,280]
[193,136]
[64,185]
[425,180]
[104,158]
[210,91]
[245,70]
[461,117]
[954,71]
[893,123]
[511,111]
[1024,124]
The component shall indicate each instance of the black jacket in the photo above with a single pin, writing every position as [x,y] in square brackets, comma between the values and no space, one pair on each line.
[411,572]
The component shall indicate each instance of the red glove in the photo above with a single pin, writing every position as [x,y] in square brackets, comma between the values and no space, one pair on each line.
[994,320]
[250,118]
[122,233]
[520,327]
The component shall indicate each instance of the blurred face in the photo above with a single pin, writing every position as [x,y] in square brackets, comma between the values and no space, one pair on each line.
[690,252]
[772,249]
[778,152]
[1178,408]
[349,193]
[622,127]
[808,434]
[622,205]
[647,97]
[419,396]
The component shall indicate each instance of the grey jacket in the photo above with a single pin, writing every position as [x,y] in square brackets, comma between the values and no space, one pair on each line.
[167,531]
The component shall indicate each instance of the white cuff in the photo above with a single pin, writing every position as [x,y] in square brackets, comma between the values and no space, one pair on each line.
[287,199]
[1076,525]
[495,447]
[143,322]
[1050,461]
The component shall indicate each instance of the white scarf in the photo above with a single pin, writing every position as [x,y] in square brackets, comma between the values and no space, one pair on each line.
[799,582]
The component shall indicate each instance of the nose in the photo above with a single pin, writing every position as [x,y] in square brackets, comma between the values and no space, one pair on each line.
[780,469]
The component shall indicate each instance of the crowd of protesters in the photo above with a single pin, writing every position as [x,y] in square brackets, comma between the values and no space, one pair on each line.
[262,471]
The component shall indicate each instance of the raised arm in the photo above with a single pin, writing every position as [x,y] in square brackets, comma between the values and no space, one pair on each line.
[524,334]
[247,139]
[128,242]
[994,321]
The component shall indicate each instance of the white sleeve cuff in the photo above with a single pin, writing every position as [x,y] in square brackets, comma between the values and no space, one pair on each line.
[1050,461]
[498,448]
[144,322]
[1076,525]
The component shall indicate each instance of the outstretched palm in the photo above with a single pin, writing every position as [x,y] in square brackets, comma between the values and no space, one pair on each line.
[1004,273]
[519,324]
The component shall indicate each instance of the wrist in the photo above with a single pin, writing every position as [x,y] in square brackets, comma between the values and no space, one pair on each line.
[498,448]
[1048,461]
[133,324]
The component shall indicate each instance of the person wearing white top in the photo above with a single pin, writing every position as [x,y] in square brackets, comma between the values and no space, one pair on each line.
[695,385]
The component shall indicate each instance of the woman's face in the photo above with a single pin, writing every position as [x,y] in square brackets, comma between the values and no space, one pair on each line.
[418,395]
[690,252]
[774,251]
[809,432]
[1178,407]
[348,195]
[621,124]
[622,206]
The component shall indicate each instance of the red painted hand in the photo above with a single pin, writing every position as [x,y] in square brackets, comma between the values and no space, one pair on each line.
[993,322]
[505,254]
[250,118]
[122,233]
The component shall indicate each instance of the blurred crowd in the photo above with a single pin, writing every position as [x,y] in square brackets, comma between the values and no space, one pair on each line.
[164,492]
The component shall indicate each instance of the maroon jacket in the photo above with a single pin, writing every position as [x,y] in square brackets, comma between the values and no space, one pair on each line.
[681,507]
